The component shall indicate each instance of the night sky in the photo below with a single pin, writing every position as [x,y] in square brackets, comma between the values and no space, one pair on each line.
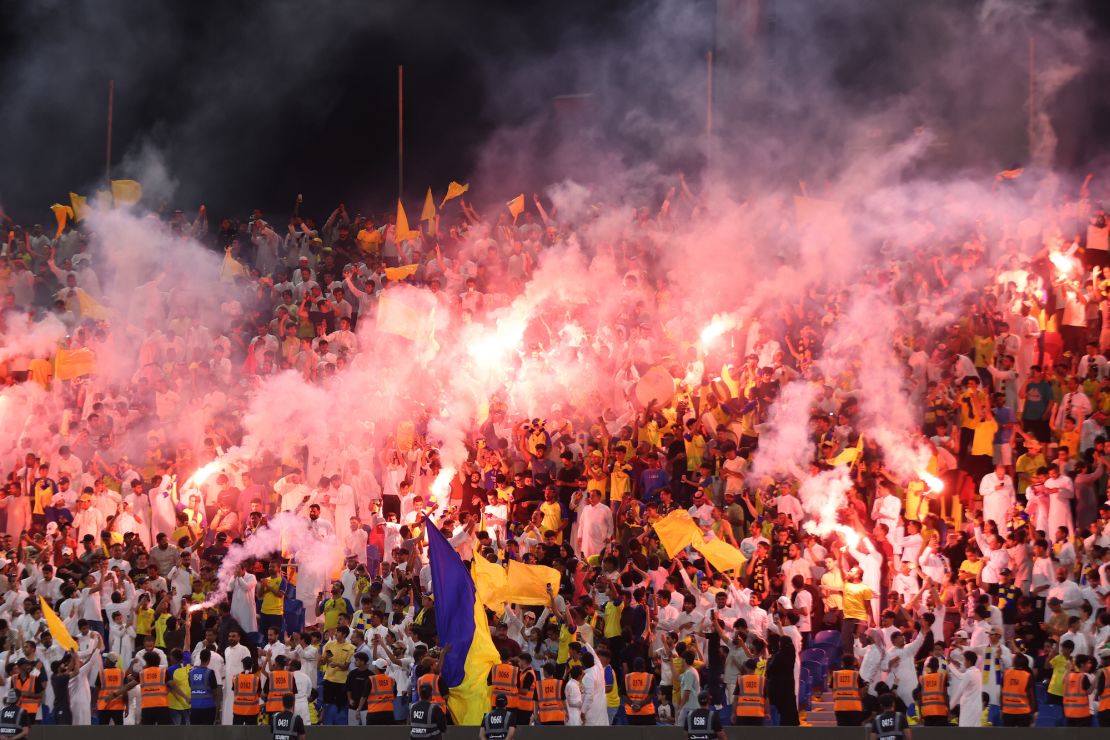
[249,103]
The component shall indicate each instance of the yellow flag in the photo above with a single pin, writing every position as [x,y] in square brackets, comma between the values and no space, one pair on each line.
[62,214]
[402,272]
[429,212]
[721,555]
[69,364]
[527,584]
[39,370]
[677,531]
[516,206]
[80,205]
[126,192]
[90,308]
[57,627]
[231,268]
[404,233]
[454,190]
[490,582]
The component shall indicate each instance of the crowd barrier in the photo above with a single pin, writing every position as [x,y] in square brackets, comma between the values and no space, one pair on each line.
[196,732]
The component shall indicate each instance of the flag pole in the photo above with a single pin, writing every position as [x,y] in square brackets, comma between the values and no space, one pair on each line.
[108,154]
[1032,97]
[400,129]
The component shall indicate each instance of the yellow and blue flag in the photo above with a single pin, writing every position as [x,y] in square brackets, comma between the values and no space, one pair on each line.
[462,625]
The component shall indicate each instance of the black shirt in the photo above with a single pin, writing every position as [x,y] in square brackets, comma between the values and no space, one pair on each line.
[358,684]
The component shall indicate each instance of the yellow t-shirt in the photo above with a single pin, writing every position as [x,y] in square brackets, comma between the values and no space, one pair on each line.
[855,594]
[971,568]
[552,519]
[181,678]
[144,621]
[161,624]
[340,655]
[272,603]
[1059,670]
[565,639]
[620,482]
[983,441]
[613,619]
[1071,441]
[331,611]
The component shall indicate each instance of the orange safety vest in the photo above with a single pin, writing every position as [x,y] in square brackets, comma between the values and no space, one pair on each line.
[846,696]
[934,700]
[505,680]
[26,687]
[526,696]
[382,691]
[1104,697]
[111,680]
[1015,692]
[246,695]
[637,687]
[550,708]
[152,686]
[281,683]
[433,680]
[749,697]
[1077,704]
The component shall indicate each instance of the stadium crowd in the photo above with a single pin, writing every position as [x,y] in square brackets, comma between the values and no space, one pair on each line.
[979,599]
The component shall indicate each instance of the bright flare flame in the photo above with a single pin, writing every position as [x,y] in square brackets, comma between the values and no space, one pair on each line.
[718,326]
[203,473]
[935,484]
[1063,263]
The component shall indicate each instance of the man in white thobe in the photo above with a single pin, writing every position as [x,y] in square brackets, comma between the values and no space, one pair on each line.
[997,490]
[595,526]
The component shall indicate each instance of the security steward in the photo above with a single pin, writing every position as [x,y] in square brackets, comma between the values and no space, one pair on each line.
[526,695]
[30,687]
[1077,704]
[703,723]
[246,688]
[1102,686]
[933,700]
[204,691]
[379,704]
[751,697]
[111,699]
[426,718]
[285,725]
[14,722]
[498,724]
[1019,697]
[889,724]
[504,678]
[639,692]
[154,687]
[847,694]
[551,704]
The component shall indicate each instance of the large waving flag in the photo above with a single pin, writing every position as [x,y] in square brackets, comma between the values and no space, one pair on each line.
[57,627]
[461,623]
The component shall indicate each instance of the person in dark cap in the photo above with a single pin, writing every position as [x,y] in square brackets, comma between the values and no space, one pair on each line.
[498,724]
[426,718]
[703,723]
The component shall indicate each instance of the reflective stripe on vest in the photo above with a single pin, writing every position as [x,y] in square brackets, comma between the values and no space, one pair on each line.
[526,697]
[280,684]
[111,680]
[749,696]
[505,680]
[637,687]
[934,701]
[549,692]
[382,691]
[846,696]
[152,685]
[1077,703]
[420,720]
[1015,692]
[246,695]
[1104,697]
[433,680]
[199,688]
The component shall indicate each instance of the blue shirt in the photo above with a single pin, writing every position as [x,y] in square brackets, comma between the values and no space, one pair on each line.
[1003,416]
